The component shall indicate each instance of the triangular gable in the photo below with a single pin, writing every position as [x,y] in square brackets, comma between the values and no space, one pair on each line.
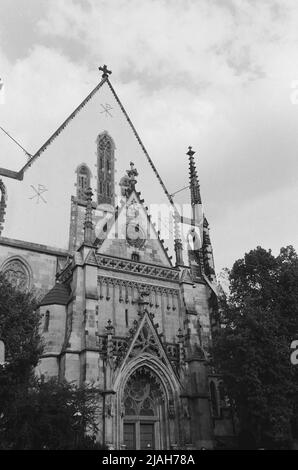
[105,79]
[53,170]
[91,258]
[146,340]
[118,242]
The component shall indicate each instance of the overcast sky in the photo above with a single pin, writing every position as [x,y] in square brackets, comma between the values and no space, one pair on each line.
[216,74]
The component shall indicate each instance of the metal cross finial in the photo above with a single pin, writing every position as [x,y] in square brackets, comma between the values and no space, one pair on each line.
[190,152]
[105,71]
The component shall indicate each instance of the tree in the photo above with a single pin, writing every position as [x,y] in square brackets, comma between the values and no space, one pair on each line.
[51,415]
[259,319]
[37,414]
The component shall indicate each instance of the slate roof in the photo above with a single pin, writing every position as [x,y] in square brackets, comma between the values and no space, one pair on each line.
[58,295]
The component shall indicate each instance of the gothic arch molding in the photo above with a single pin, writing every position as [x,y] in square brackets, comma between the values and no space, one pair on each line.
[170,382]
[168,426]
[18,272]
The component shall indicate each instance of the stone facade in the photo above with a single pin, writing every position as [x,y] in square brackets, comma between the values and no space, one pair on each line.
[117,313]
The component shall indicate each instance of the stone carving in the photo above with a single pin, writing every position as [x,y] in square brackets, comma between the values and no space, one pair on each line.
[136,267]
[171,409]
[145,342]
[143,392]
[17,274]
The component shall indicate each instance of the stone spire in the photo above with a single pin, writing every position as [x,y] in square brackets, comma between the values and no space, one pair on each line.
[193,179]
[88,225]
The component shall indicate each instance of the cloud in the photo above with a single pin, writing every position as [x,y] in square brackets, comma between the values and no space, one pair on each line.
[212,74]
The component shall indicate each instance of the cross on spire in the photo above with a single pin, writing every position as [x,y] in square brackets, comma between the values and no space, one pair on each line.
[105,71]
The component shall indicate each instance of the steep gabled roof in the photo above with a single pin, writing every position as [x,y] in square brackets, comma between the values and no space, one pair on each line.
[105,79]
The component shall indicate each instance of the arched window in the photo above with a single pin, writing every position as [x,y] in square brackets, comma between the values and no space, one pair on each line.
[3,197]
[46,321]
[17,273]
[105,156]
[83,181]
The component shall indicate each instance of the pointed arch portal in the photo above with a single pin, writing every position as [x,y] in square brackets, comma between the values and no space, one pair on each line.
[144,410]
[146,406]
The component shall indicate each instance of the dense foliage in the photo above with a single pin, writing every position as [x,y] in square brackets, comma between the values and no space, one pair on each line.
[37,414]
[252,349]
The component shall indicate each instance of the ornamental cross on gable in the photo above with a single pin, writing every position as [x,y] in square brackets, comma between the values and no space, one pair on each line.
[105,71]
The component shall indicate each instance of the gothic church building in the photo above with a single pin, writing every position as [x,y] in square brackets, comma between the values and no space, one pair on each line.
[117,310]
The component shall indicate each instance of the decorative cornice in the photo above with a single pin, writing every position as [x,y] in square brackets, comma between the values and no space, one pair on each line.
[135,267]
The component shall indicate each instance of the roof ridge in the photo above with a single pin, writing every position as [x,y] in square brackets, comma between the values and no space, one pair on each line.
[169,197]
[62,126]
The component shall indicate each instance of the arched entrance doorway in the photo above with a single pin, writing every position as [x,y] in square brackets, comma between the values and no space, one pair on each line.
[145,405]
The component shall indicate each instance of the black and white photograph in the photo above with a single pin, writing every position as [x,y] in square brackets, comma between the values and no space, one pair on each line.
[148,228]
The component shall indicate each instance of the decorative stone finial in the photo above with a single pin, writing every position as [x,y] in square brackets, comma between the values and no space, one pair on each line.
[105,71]
[132,174]
[109,327]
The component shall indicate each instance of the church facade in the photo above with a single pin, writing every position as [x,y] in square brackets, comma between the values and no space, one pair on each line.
[117,311]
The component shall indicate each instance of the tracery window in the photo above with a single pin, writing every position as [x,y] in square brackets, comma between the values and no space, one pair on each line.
[83,182]
[142,394]
[105,155]
[17,274]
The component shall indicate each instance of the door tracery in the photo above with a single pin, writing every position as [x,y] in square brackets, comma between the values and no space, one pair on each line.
[144,400]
